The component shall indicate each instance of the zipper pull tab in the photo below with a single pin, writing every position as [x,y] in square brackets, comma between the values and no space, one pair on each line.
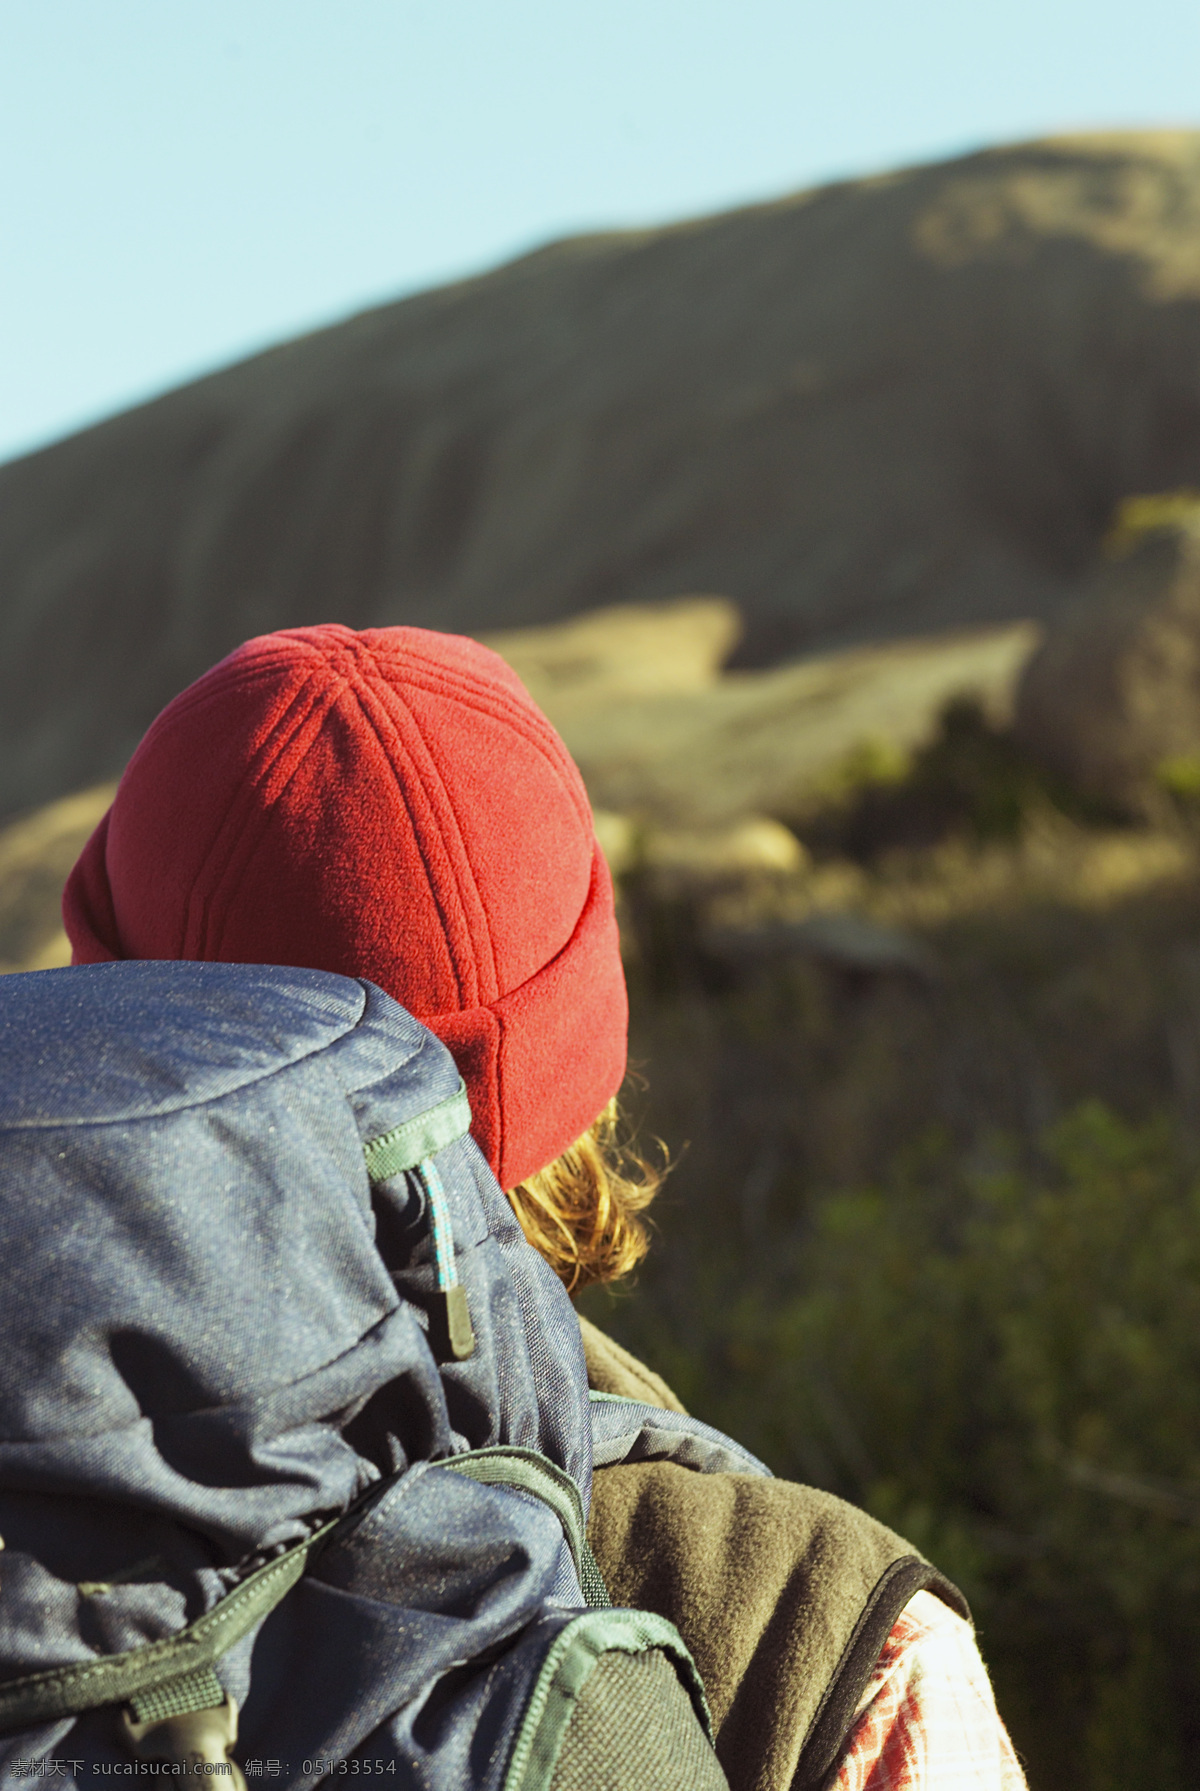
[451,1335]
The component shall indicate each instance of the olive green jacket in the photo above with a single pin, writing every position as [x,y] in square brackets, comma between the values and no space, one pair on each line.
[784,1594]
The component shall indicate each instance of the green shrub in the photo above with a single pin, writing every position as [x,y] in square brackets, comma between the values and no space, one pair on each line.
[971,780]
[1004,1364]
[1151,513]
[1180,778]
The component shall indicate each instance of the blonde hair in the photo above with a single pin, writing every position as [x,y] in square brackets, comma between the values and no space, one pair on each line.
[583,1211]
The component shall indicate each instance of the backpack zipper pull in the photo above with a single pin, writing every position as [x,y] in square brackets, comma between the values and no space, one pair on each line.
[450,1332]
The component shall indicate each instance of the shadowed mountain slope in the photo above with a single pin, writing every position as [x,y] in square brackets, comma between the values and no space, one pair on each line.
[884,408]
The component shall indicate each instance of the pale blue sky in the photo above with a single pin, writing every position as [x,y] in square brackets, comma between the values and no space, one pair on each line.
[183,181]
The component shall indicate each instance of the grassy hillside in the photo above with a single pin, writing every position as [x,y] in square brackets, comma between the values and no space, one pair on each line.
[883,409]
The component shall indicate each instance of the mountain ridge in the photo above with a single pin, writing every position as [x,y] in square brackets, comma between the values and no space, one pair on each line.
[884,408]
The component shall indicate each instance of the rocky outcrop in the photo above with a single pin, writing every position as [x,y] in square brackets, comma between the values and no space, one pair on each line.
[1111,700]
[885,408]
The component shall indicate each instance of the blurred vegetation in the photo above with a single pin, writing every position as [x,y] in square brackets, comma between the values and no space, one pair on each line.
[934,1242]
[1150,513]
[1180,779]
[972,780]
[1001,1362]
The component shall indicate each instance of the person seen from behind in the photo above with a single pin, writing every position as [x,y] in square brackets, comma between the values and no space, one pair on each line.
[391,804]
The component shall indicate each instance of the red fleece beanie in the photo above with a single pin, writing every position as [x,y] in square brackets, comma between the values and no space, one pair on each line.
[389,804]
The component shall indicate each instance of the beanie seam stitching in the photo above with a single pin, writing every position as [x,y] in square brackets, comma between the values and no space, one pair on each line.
[380,696]
[544,742]
[474,691]
[248,834]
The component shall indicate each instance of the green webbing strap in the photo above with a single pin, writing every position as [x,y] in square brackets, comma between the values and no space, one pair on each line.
[178,1697]
[591,1581]
[427,1134]
[527,1471]
[119,1678]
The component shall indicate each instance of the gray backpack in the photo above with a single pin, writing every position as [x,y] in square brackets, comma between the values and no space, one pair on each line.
[295,1436]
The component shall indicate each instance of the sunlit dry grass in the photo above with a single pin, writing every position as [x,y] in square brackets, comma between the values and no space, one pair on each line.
[36,853]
